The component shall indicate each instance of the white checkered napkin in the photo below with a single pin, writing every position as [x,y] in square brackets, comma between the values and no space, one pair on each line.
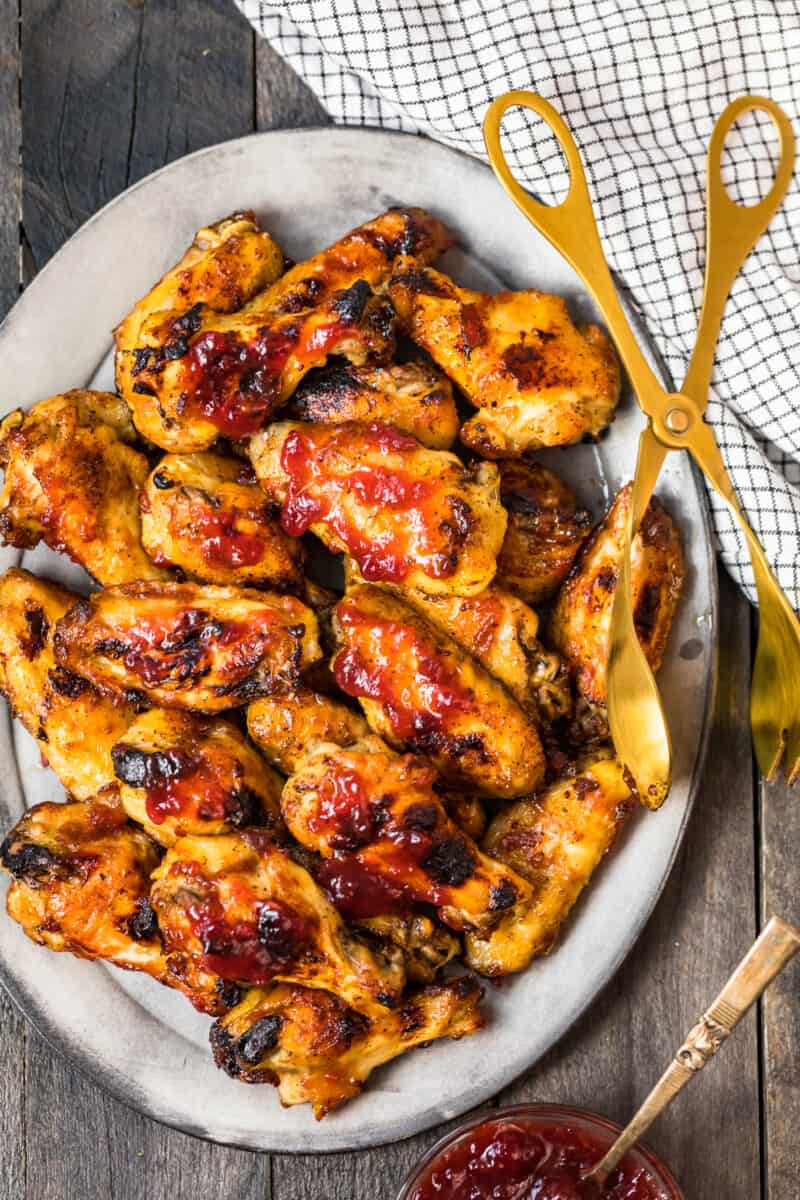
[640,83]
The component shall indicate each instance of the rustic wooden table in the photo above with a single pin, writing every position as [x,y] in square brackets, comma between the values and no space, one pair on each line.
[99,93]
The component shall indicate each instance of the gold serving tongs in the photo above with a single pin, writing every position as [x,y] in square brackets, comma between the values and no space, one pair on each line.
[636,717]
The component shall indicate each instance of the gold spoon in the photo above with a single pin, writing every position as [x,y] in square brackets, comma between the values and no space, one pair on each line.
[773,949]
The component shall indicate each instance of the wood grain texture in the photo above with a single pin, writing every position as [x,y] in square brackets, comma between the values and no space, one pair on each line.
[780,1006]
[701,927]
[282,99]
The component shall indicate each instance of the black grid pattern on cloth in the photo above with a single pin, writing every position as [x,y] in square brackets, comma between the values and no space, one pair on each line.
[640,85]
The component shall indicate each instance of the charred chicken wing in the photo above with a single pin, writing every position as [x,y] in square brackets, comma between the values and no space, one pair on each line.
[72,481]
[318,1051]
[537,379]
[580,627]
[186,646]
[427,946]
[284,725]
[75,727]
[207,515]
[185,774]
[376,819]
[421,691]
[555,841]
[235,907]
[414,398]
[403,513]
[546,529]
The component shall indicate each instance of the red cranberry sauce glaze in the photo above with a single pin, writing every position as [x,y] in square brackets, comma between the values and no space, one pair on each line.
[527,1159]
[374,663]
[318,466]
[221,540]
[188,786]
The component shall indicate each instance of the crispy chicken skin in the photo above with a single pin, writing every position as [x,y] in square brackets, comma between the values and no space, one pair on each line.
[207,515]
[181,773]
[72,480]
[81,878]
[186,646]
[555,841]
[285,724]
[580,626]
[537,379]
[427,946]
[236,907]
[317,1051]
[405,514]
[413,397]
[546,529]
[224,267]
[376,819]
[421,691]
[75,727]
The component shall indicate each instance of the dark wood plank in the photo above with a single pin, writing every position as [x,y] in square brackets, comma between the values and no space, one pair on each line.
[780,1007]
[282,99]
[702,925]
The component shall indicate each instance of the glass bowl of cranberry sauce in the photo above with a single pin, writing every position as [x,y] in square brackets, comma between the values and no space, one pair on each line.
[535,1152]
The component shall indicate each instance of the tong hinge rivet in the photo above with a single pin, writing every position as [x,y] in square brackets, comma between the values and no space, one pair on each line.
[677,420]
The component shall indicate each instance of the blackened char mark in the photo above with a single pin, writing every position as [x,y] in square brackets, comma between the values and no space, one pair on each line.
[143,924]
[33,641]
[28,861]
[259,1040]
[451,862]
[350,303]
[147,769]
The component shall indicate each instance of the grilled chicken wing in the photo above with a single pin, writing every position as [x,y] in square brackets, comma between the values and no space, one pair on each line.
[187,646]
[285,724]
[72,481]
[421,691]
[580,626]
[413,397]
[537,379]
[546,529]
[223,268]
[185,774]
[555,841]
[427,947]
[75,727]
[387,840]
[207,515]
[405,514]
[237,908]
[317,1051]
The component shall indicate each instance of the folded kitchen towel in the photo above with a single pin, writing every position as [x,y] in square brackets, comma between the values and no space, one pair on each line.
[640,84]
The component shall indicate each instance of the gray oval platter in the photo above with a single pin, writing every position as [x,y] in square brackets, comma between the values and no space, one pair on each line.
[143,1042]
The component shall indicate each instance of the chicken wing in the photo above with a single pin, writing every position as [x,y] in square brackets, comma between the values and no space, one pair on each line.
[74,726]
[376,819]
[413,397]
[225,266]
[207,515]
[537,379]
[72,481]
[555,841]
[184,774]
[285,724]
[546,529]
[236,907]
[421,691]
[427,946]
[405,514]
[317,1051]
[186,646]
[580,626]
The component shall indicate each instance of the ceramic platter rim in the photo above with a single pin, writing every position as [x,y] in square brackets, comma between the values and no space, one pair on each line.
[56,337]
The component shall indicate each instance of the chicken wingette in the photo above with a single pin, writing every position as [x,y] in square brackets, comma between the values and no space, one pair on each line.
[285,724]
[413,397]
[403,513]
[536,378]
[427,946]
[206,514]
[236,907]
[72,480]
[81,882]
[421,691]
[580,624]
[181,773]
[546,529]
[387,841]
[555,841]
[182,645]
[317,1051]
[74,726]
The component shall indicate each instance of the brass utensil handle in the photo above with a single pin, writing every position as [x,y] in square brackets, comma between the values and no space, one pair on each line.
[773,949]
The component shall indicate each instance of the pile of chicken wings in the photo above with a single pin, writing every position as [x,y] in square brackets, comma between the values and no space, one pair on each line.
[299,806]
